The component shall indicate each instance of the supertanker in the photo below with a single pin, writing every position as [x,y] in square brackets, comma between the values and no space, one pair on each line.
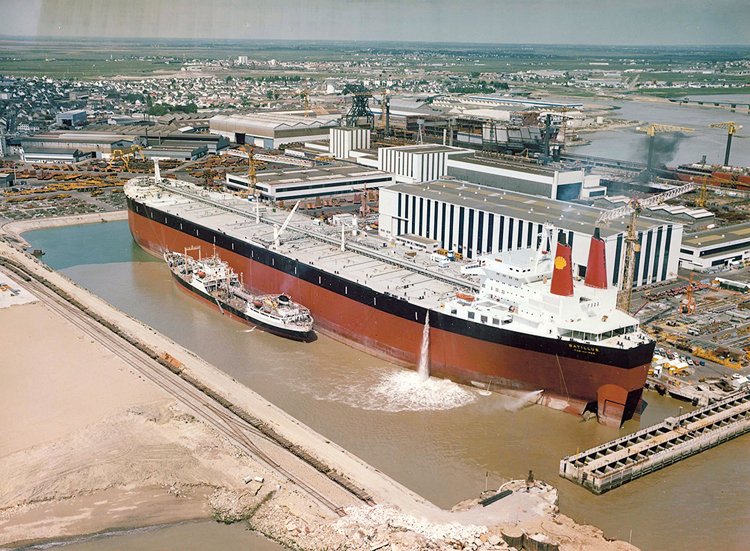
[517,320]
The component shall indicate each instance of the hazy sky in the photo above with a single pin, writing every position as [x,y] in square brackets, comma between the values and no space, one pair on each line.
[494,21]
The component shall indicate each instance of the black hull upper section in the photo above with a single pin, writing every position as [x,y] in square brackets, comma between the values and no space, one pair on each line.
[622,358]
[302,336]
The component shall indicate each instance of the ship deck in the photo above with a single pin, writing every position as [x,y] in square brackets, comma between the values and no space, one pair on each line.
[367,259]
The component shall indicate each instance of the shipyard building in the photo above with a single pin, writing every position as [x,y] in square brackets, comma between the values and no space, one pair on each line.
[425,163]
[303,183]
[475,220]
[531,177]
[726,246]
[273,129]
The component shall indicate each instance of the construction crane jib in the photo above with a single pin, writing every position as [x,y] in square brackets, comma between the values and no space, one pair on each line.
[732,127]
[634,208]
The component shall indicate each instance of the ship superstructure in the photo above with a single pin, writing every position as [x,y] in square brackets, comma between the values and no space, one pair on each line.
[519,320]
[520,291]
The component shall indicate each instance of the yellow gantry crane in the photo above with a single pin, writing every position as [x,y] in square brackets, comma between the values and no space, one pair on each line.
[731,127]
[652,130]
[252,163]
[632,240]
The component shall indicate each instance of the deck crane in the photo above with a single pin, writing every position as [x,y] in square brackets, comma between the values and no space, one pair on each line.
[634,207]
[652,130]
[731,127]
[278,231]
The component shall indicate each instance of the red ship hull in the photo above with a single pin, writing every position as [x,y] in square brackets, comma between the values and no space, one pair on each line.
[569,383]
[716,178]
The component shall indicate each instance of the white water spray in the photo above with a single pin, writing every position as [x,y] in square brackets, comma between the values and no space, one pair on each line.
[423,368]
[517,402]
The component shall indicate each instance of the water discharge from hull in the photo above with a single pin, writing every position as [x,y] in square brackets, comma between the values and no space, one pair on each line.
[423,368]
[399,390]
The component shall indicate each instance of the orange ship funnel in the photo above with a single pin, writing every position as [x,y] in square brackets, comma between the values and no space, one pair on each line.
[596,269]
[562,275]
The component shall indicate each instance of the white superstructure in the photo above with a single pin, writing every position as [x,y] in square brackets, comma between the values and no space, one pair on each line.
[515,294]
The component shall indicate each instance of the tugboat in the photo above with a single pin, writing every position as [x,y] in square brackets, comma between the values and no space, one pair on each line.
[214,280]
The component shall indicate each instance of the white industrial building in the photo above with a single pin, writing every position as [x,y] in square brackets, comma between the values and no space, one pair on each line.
[726,246]
[345,139]
[53,155]
[273,129]
[303,183]
[526,177]
[474,220]
[416,163]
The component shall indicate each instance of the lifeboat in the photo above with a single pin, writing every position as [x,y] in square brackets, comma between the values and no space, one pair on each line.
[465,296]
[201,274]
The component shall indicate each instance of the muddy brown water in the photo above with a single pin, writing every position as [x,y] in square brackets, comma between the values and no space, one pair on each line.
[441,439]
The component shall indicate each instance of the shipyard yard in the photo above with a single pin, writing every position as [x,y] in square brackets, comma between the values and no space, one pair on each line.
[361,277]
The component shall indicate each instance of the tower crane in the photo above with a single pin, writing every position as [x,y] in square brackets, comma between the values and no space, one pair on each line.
[652,130]
[305,94]
[634,207]
[385,112]
[731,127]
[252,163]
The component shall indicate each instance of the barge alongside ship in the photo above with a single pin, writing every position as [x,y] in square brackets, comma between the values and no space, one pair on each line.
[214,280]
[518,321]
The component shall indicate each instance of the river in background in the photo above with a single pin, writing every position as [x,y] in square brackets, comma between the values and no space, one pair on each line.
[630,145]
[439,439]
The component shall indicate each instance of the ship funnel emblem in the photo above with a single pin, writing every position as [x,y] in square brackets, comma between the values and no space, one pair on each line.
[562,275]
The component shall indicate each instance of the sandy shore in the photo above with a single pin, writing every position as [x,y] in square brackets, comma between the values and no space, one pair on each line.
[89,445]
[95,446]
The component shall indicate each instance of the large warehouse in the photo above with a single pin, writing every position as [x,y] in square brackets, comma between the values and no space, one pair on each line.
[272,129]
[526,177]
[474,220]
[302,183]
[716,248]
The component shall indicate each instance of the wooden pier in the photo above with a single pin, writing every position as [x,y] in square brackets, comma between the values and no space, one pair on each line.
[619,461]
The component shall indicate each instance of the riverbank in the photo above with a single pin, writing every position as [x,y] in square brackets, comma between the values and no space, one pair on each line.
[16,228]
[155,422]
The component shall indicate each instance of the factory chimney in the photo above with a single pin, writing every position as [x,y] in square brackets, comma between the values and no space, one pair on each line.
[596,268]
[562,275]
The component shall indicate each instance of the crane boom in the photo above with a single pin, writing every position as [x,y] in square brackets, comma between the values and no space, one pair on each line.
[648,202]
[278,231]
